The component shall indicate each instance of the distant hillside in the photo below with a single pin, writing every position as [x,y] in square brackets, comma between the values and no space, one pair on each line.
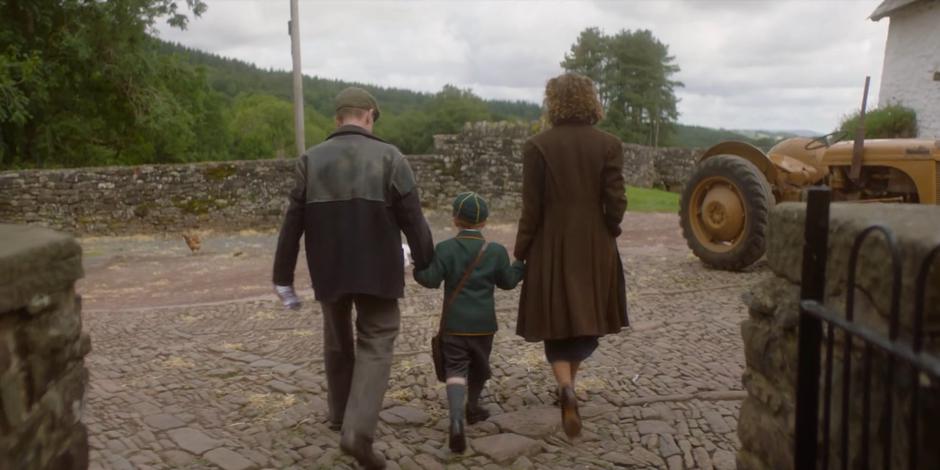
[232,76]
[409,118]
[784,134]
[702,137]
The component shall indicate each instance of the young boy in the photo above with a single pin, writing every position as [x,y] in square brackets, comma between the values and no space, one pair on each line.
[470,320]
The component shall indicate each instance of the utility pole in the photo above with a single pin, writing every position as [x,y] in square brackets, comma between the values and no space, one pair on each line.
[294,31]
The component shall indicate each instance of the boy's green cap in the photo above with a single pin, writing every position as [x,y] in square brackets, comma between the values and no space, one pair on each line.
[470,207]
[355,97]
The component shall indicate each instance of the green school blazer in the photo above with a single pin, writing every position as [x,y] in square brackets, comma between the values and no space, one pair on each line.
[473,312]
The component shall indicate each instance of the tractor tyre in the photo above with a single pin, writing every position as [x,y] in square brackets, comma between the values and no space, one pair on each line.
[724,212]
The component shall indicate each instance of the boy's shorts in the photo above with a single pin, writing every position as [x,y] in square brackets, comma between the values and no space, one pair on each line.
[466,356]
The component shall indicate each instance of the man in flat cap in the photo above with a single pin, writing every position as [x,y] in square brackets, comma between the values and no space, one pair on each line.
[353,196]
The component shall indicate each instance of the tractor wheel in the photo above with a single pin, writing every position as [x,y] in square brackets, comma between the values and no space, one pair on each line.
[724,212]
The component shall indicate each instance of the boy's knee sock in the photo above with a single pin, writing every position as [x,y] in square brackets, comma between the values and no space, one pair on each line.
[455,397]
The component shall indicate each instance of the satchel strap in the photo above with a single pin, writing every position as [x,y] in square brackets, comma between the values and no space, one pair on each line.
[463,280]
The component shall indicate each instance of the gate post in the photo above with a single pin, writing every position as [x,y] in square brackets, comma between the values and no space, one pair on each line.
[812,287]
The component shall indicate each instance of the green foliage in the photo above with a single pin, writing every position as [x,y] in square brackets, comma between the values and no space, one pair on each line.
[633,71]
[261,126]
[82,84]
[409,119]
[651,200]
[886,122]
[445,113]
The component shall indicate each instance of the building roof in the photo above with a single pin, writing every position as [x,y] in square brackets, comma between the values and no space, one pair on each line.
[888,7]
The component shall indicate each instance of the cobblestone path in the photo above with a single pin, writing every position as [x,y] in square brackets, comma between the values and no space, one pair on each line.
[239,384]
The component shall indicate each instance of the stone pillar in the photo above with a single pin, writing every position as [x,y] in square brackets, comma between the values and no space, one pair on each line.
[42,373]
[767,419]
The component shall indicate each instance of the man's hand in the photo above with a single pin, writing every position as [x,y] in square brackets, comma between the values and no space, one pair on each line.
[288,297]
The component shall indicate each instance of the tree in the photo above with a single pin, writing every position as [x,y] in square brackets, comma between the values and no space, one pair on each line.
[99,89]
[446,113]
[80,80]
[633,71]
[261,127]
[589,57]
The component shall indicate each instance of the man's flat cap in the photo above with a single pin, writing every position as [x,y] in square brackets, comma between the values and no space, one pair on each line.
[355,97]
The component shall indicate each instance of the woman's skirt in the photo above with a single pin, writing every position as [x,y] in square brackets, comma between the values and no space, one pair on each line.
[570,349]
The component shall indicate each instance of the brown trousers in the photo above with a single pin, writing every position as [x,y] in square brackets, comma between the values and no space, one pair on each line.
[357,376]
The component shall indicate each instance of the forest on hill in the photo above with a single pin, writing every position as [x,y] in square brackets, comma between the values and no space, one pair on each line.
[87,84]
[704,137]
[409,119]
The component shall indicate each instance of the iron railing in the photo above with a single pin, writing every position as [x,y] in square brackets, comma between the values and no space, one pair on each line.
[811,452]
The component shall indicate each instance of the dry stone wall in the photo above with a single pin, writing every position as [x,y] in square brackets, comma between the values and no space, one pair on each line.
[485,157]
[42,372]
[766,425]
[665,168]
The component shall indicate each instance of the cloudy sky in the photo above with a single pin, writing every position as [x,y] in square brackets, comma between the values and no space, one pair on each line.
[745,64]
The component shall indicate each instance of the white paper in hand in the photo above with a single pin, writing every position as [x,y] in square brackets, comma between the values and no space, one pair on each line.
[406,250]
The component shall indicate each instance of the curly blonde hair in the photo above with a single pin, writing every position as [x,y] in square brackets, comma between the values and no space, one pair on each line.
[572,97]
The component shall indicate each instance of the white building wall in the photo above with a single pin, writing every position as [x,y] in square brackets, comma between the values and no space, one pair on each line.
[911,74]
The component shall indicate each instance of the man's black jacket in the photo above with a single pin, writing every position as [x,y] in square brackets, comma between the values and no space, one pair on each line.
[352,197]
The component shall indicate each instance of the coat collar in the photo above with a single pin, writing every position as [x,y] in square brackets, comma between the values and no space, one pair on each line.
[572,122]
[350,129]
[470,234]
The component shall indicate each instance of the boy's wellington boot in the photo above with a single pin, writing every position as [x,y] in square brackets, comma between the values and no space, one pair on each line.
[458,440]
[455,398]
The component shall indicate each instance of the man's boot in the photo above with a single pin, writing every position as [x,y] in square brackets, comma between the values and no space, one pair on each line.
[475,412]
[360,448]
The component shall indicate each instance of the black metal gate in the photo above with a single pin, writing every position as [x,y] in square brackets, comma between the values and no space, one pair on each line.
[903,361]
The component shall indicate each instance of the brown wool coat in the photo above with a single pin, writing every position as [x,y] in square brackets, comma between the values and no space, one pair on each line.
[573,200]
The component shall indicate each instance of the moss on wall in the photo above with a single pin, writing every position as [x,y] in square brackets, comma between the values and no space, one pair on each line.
[219,172]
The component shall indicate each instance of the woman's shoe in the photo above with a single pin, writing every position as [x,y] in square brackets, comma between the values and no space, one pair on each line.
[570,418]
[458,441]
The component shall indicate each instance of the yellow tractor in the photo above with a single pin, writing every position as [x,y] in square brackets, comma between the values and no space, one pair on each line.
[726,203]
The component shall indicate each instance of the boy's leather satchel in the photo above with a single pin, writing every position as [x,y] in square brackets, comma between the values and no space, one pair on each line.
[436,354]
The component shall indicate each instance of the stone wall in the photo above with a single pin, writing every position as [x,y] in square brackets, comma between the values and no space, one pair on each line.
[148,198]
[766,423]
[665,168]
[42,373]
[485,157]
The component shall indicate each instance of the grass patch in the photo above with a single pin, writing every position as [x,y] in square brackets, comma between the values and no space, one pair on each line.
[651,200]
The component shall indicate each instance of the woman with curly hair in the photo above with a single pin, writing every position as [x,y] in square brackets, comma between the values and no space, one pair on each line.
[573,200]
